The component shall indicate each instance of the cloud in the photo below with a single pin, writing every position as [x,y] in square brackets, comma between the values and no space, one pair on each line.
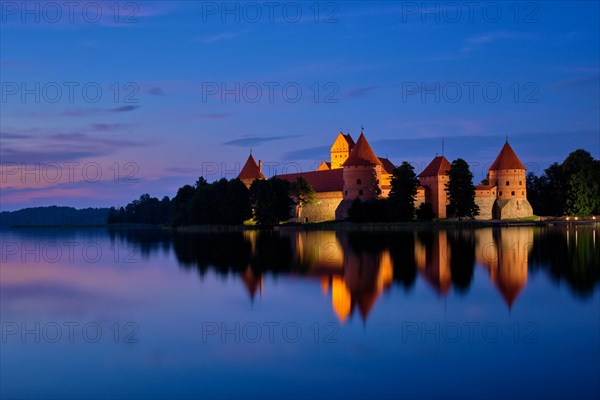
[310,153]
[96,111]
[36,145]
[109,127]
[581,81]
[219,37]
[361,92]
[124,109]
[257,140]
[12,155]
[156,91]
[85,139]
[181,170]
[213,116]
[7,135]
[476,42]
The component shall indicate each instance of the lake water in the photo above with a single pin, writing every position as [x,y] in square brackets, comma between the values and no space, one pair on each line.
[485,313]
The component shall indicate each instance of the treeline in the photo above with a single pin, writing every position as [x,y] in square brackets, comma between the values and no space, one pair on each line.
[400,205]
[224,202]
[145,210]
[570,188]
[54,215]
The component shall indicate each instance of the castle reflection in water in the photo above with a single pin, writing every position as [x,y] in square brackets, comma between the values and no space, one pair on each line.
[355,268]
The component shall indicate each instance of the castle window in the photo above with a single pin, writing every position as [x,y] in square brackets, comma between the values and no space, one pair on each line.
[506,183]
[522,193]
[520,183]
[359,181]
[500,193]
[346,192]
[360,192]
[512,193]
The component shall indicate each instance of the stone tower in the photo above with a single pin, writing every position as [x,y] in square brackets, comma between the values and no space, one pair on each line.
[251,171]
[434,178]
[507,173]
[340,150]
[362,172]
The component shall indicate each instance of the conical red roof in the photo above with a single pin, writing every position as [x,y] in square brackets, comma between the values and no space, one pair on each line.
[507,159]
[438,166]
[362,154]
[251,170]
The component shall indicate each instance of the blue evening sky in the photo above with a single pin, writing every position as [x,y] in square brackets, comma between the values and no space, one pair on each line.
[103,101]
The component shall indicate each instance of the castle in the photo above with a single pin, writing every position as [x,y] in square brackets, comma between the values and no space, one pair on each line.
[354,171]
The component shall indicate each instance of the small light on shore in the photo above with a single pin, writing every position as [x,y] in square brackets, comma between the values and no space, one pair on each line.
[567,218]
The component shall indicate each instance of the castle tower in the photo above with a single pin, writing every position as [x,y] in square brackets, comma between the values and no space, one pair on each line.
[340,150]
[251,171]
[507,173]
[362,172]
[434,178]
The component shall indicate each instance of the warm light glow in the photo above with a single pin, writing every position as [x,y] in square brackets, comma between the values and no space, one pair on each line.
[386,271]
[325,285]
[340,299]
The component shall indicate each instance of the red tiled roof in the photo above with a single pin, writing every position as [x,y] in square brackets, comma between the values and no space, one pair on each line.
[387,165]
[507,159]
[349,140]
[321,181]
[483,187]
[362,154]
[438,166]
[251,170]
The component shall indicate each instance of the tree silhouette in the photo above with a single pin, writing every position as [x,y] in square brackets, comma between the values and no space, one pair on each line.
[461,191]
[402,196]
[270,200]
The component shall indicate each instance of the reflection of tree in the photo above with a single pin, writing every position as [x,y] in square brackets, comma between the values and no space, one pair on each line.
[461,244]
[224,252]
[569,254]
[145,240]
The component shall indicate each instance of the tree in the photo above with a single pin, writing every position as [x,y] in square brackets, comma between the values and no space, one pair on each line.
[402,196]
[425,212]
[221,202]
[581,175]
[372,210]
[113,216]
[181,206]
[554,189]
[237,199]
[302,192]
[461,192]
[270,200]
[568,188]
[486,181]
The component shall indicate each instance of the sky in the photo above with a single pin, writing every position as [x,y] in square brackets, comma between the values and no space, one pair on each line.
[102,101]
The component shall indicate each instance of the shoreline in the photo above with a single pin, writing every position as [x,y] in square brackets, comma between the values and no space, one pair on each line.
[333,226]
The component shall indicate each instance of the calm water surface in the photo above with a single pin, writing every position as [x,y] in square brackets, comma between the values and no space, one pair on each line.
[486,313]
